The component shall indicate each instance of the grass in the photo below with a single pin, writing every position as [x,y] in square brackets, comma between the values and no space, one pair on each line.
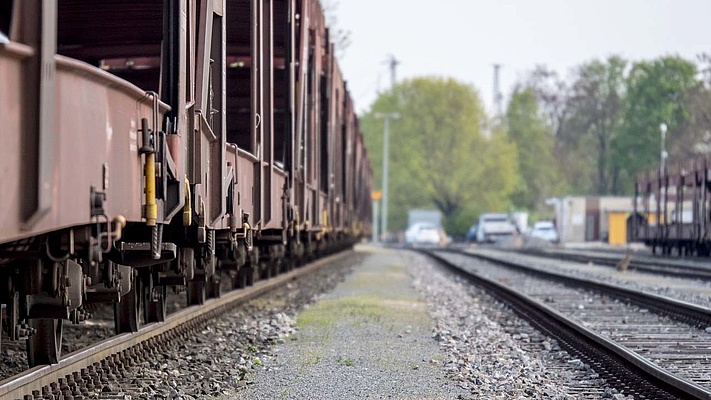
[327,313]
[345,361]
[251,349]
[376,304]
[311,358]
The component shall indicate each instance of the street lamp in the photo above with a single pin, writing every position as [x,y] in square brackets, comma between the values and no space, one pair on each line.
[662,174]
[664,154]
[386,151]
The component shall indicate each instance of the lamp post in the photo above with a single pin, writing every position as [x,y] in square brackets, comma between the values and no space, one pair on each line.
[664,154]
[662,174]
[386,152]
[375,196]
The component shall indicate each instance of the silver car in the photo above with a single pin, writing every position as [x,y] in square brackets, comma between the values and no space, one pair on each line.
[545,230]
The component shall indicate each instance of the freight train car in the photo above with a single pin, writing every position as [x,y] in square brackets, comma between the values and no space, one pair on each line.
[673,208]
[166,143]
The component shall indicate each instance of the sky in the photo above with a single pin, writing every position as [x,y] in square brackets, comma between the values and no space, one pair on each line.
[464,38]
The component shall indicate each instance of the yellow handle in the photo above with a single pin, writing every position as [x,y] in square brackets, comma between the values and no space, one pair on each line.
[187,210]
[150,173]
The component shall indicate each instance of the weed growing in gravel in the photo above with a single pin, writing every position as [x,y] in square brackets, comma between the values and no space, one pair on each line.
[251,349]
[345,361]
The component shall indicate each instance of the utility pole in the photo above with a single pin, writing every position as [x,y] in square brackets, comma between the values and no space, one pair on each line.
[374,231]
[386,152]
[393,63]
[498,97]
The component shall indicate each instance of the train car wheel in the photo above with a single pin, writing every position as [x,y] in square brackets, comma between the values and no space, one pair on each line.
[214,290]
[288,265]
[239,281]
[157,310]
[196,292]
[265,270]
[44,347]
[127,312]
[275,267]
[251,274]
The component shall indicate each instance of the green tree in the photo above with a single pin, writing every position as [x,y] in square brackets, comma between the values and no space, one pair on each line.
[439,156]
[551,94]
[527,128]
[655,93]
[594,117]
[694,136]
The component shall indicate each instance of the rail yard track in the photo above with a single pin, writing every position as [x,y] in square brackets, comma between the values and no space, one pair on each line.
[85,370]
[643,344]
[656,265]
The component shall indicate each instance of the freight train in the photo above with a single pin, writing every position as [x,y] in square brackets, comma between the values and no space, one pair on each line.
[154,144]
[673,208]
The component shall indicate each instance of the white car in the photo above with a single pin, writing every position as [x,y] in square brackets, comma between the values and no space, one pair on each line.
[495,227]
[545,230]
[423,233]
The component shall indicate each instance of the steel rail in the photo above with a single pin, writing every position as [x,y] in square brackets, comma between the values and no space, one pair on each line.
[36,378]
[560,326]
[672,268]
[679,310]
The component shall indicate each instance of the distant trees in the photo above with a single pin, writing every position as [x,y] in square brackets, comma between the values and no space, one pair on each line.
[439,156]
[606,120]
[655,94]
[587,135]
[339,36]
[529,129]
[594,116]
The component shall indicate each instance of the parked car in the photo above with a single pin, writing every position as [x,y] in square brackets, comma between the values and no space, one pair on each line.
[494,228]
[424,233]
[471,234]
[545,230]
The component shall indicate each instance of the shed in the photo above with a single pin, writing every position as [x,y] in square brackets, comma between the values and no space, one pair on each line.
[617,225]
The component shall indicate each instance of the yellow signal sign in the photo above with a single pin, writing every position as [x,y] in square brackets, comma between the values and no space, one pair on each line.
[376,195]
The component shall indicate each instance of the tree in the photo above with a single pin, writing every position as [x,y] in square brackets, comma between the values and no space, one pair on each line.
[551,93]
[527,128]
[438,155]
[655,93]
[695,134]
[594,117]
[339,36]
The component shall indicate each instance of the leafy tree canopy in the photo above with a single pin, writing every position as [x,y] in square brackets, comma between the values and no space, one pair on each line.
[439,155]
[527,127]
[655,93]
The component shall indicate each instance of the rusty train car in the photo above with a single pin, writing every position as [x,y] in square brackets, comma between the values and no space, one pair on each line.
[155,144]
[673,208]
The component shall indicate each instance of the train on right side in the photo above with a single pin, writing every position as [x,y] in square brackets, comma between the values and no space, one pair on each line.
[672,211]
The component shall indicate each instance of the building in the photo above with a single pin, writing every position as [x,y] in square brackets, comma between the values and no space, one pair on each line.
[592,219]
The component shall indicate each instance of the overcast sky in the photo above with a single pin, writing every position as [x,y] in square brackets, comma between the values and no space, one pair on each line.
[463,38]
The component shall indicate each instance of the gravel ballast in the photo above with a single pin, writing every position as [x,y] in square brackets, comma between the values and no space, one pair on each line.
[491,351]
[369,338]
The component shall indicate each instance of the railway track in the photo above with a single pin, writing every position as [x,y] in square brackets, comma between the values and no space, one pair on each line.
[646,345]
[655,265]
[85,371]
